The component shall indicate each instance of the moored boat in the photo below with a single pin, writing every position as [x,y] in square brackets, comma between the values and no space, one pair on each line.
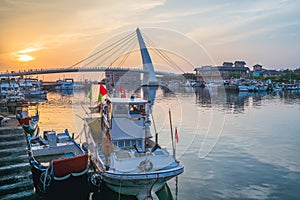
[32,87]
[122,149]
[243,88]
[66,84]
[10,90]
[28,116]
[59,166]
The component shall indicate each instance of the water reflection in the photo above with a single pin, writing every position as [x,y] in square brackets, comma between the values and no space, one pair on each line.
[245,163]
[237,101]
[203,97]
[290,97]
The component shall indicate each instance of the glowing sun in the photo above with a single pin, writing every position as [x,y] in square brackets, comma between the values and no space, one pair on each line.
[25,58]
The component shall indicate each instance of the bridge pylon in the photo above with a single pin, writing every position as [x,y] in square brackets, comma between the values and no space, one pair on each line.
[149,78]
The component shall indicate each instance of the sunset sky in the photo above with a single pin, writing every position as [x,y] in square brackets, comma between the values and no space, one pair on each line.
[59,33]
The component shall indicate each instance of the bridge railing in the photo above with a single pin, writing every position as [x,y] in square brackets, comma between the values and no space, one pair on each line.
[79,69]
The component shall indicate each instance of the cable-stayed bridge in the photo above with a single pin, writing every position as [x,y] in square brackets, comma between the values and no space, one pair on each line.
[86,69]
[113,52]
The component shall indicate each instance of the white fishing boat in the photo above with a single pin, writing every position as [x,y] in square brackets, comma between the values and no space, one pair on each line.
[32,87]
[121,146]
[122,149]
[10,90]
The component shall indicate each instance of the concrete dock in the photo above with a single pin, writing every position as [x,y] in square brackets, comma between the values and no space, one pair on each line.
[15,172]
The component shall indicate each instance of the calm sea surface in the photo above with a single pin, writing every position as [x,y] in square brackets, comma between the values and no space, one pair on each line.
[233,146]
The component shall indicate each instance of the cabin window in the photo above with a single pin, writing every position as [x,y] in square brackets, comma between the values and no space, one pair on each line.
[120,109]
[121,144]
[139,143]
[137,109]
[127,143]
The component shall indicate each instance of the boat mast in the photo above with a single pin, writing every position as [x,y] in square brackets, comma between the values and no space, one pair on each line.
[172,137]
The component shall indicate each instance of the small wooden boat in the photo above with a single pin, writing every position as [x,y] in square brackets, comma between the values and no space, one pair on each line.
[28,117]
[59,166]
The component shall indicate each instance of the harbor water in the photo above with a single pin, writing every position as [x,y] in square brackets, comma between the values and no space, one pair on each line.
[233,145]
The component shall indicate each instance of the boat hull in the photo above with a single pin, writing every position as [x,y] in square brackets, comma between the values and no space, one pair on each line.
[74,187]
[141,185]
[30,129]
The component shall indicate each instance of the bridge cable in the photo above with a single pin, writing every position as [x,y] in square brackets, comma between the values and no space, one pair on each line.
[162,54]
[111,47]
[115,43]
[131,49]
[120,49]
[165,57]
[158,52]
[120,43]
[126,48]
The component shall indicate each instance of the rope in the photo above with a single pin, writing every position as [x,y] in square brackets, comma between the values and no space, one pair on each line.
[44,180]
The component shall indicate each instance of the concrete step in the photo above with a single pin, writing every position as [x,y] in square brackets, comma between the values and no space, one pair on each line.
[14,178]
[10,160]
[7,136]
[6,130]
[15,169]
[24,195]
[21,150]
[12,144]
[16,187]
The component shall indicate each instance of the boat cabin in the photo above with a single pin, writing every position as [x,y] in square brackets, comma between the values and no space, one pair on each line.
[127,121]
[8,84]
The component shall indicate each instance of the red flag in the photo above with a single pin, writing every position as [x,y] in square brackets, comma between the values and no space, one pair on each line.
[122,91]
[121,88]
[102,92]
[176,135]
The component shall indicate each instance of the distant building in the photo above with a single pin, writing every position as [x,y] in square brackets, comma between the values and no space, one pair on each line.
[227,64]
[239,63]
[259,71]
[257,68]
[206,73]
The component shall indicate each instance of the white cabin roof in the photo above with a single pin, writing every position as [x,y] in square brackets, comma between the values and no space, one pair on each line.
[127,100]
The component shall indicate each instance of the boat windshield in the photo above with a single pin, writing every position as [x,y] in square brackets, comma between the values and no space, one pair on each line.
[121,109]
[137,108]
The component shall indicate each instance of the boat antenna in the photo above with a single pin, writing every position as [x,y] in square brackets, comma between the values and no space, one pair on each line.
[154,126]
[172,138]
